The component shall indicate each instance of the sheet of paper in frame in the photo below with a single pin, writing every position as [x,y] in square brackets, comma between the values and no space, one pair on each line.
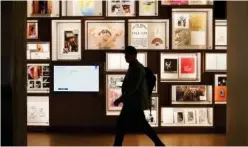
[38,50]
[124,8]
[32,29]
[215,62]
[220,88]
[155,89]
[221,34]
[149,34]
[148,7]
[44,8]
[82,8]
[190,116]
[38,111]
[152,117]
[105,34]
[66,39]
[202,116]
[167,116]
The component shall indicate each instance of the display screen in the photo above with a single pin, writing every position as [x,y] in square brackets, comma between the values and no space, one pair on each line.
[76,78]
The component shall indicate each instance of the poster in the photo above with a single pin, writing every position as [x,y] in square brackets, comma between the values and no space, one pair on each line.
[148,8]
[120,8]
[82,8]
[221,34]
[38,111]
[32,29]
[192,28]
[38,50]
[117,61]
[149,34]
[220,88]
[180,67]
[105,34]
[216,62]
[42,8]
[66,39]
[38,78]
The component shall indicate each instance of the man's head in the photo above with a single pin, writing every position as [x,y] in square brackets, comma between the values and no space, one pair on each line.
[130,54]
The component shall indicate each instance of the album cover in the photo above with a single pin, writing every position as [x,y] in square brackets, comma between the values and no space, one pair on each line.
[190,116]
[170,65]
[82,8]
[42,8]
[105,34]
[38,50]
[120,8]
[187,65]
[148,34]
[179,117]
[66,39]
[38,78]
[221,34]
[148,8]
[38,111]
[220,88]
[32,29]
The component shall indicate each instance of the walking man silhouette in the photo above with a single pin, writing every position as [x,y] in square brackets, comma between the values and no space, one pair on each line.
[135,99]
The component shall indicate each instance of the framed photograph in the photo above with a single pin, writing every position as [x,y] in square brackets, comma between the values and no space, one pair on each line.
[148,7]
[220,34]
[113,92]
[38,50]
[66,40]
[187,2]
[120,8]
[220,83]
[191,94]
[82,8]
[38,111]
[216,62]
[179,117]
[152,117]
[32,29]
[155,89]
[42,8]
[104,34]
[192,28]
[38,78]
[190,116]
[181,67]
[149,34]
[117,62]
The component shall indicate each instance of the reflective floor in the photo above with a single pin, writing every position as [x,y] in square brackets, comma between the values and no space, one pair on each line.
[46,139]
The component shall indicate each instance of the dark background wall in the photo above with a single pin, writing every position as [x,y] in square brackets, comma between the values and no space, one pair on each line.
[87,110]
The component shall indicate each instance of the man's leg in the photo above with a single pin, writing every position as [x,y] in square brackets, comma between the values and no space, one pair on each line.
[120,129]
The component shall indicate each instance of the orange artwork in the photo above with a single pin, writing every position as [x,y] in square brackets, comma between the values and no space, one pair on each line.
[220,93]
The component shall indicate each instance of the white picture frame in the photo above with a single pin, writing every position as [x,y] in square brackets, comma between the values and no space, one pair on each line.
[66,40]
[117,8]
[50,8]
[192,29]
[220,93]
[149,34]
[180,67]
[148,8]
[190,116]
[38,50]
[32,29]
[82,8]
[96,32]
[221,34]
[215,62]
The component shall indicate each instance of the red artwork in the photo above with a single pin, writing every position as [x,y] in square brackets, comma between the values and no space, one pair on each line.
[187,65]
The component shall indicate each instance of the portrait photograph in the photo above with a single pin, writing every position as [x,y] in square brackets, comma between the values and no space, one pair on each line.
[38,50]
[32,29]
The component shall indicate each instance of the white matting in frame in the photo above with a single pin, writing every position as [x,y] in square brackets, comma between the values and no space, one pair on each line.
[66,39]
[104,34]
[220,34]
[117,62]
[149,34]
[191,94]
[38,111]
[120,8]
[180,67]
[148,7]
[38,50]
[82,8]
[43,8]
[216,62]
[192,29]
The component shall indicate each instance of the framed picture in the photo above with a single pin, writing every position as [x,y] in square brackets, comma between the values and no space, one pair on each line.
[192,28]
[66,39]
[152,117]
[149,34]
[82,8]
[187,2]
[221,34]
[148,7]
[191,94]
[181,67]
[220,83]
[104,34]
[38,50]
[190,116]
[32,29]
[155,89]
[38,78]
[179,117]
[42,8]
[117,62]
[113,92]
[120,8]
[216,62]
[202,116]
[38,111]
